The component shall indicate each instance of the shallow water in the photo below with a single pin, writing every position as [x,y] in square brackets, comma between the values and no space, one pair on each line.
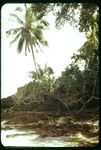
[16,135]
[20,139]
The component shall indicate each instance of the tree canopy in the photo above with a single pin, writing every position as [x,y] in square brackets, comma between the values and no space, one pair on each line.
[81,15]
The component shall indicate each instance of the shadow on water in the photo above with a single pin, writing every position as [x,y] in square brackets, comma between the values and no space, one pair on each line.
[47,131]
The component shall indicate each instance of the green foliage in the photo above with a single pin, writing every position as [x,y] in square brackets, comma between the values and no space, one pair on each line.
[7,102]
[89,53]
[71,80]
[37,88]
[30,32]
[41,9]
[66,13]
[45,77]
[80,15]
[73,87]
[88,16]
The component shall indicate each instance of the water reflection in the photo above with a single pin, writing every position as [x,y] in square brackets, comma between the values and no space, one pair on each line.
[17,138]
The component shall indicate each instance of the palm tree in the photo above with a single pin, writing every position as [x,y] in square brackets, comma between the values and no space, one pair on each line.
[45,76]
[30,33]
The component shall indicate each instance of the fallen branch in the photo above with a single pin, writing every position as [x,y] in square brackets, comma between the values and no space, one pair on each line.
[64,102]
[88,102]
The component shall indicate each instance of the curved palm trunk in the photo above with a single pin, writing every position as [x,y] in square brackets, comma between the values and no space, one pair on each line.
[34,62]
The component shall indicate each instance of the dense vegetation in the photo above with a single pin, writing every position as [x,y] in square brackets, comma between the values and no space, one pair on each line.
[75,89]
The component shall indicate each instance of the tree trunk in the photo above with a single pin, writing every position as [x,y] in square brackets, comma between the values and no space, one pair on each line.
[34,62]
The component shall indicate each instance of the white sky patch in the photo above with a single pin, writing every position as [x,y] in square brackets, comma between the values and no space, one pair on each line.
[15,67]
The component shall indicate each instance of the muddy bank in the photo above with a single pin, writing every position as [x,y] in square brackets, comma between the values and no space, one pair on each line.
[51,123]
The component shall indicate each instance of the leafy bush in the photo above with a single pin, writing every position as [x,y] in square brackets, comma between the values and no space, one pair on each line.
[7,102]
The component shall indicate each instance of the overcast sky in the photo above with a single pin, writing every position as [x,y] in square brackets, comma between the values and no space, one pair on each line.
[15,68]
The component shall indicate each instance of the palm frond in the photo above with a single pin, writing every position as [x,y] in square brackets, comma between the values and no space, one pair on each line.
[18,9]
[37,45]
[33,74]
[50,70]
[13,31]
[16,38]
[45,23]
[20,45]
[44,42]
[40,27]
[27,47]
[18,19]
[38,36]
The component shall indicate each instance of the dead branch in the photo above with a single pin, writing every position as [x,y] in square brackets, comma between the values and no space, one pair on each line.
[88,102]
[64,102]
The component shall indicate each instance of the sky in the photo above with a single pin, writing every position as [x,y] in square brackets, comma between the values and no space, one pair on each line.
[15,67]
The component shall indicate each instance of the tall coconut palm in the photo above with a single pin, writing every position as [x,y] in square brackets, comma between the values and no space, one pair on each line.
[30,33]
